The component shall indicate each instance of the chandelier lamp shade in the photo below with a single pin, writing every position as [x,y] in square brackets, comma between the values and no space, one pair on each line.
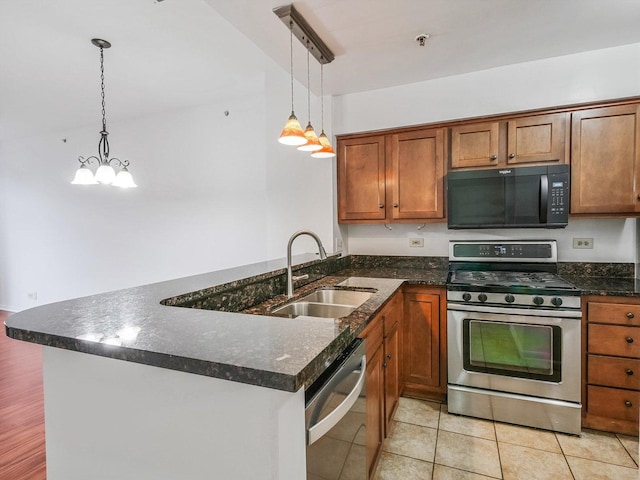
[105,173]
[292,134]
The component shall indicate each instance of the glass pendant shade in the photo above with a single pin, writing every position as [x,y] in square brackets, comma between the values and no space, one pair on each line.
[327,150]
[105,174]
[313,143]
[124,179]
[84,176]
[292,133]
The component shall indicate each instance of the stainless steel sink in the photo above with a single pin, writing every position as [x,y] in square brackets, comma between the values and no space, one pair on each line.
[325,303]
[338,297]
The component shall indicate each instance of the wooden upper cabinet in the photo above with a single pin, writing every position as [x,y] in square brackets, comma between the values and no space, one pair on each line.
[394,177]
[540,138]
[361,179]
[416,174]
[605,160]
[536,139]
[475,145]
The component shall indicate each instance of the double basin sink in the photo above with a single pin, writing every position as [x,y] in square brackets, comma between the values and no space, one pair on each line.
[325,303]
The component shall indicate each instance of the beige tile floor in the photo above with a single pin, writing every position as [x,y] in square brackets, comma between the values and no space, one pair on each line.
[428,443]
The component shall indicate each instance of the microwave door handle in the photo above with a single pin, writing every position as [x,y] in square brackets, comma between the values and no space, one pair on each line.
[544,198]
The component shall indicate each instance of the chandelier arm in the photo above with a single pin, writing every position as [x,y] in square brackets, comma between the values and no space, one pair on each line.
[119,163]
[86,161]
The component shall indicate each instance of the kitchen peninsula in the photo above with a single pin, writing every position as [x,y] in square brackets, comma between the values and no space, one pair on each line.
[240,416]
[141,387]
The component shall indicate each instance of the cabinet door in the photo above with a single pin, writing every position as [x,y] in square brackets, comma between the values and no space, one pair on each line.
[540,138]
[475,145]
[361,179]
[375,409]
[417,170]
[605,160]
[424,345]
[391,374]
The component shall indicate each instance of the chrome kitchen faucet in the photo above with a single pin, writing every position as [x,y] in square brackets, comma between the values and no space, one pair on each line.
[290,277]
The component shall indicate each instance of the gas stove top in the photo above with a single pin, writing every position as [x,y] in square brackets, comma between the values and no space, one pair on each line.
[510,273]
[509,279]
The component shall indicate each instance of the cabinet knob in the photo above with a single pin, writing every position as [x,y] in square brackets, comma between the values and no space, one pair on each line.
[629,340]
[628,404]
[388,356]
[384,365]
[381,205]
[512,155]
[495,157]
[395,205]
[630,315]
[629,372]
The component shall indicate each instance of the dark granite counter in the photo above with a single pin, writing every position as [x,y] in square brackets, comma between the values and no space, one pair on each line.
[221,324]
[142,325]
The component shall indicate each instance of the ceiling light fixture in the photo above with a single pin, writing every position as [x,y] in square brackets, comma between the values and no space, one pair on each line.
[292,133]
[105,173]
[327,150]
[299,27]
[313,144]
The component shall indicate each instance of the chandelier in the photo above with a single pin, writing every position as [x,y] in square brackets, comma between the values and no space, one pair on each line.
[105,172]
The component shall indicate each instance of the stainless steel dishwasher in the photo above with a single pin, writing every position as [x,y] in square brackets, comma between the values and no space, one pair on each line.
[336,419]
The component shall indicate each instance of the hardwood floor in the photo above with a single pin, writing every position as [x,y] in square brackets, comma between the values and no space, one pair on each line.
[22,445]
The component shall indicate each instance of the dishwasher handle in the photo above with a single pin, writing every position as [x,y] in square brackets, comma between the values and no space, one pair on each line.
[317,431]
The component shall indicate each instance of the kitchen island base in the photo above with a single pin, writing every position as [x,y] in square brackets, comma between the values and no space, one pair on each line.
[107,418]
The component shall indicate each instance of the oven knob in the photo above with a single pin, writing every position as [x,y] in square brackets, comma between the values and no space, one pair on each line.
[538,300]
[509,298]
[466,297]
[482,297]
[556,301]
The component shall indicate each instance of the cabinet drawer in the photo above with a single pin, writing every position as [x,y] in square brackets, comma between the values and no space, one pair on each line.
[618,341]
[613,403]
[613,372]
[618,313]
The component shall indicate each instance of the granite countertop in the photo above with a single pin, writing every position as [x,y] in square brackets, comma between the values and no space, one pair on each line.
[249,344]
[268,351]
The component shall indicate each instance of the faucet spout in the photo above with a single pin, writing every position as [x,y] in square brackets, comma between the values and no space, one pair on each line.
[321,251]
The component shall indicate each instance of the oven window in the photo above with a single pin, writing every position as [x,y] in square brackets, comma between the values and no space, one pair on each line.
[513,349]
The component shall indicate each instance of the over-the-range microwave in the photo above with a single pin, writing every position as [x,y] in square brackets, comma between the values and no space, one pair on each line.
[522,197]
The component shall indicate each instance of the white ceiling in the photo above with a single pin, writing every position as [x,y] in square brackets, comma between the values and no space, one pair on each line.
[178,53]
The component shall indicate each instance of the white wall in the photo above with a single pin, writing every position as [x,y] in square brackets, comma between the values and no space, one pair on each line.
[214,192]
[596,75]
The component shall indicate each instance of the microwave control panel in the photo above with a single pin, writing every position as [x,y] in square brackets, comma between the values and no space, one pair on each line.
[558,203]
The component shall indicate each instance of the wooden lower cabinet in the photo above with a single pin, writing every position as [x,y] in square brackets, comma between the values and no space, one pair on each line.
[383,352]
[611,369]
[424,334]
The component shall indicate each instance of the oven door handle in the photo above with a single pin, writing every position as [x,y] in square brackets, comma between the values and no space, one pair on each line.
[544,198]
[577,314]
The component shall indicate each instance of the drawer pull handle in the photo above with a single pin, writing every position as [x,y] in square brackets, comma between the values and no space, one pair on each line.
[629,372]
[628,404]
[630,315]
[629,340]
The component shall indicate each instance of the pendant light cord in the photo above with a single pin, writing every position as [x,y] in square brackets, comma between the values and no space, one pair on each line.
[291,60]
[322,96]
[104,117]
[308,86]
[103,145]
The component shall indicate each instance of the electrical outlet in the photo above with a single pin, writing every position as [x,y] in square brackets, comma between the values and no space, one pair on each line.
[583,243]
[416,242]
[339,244]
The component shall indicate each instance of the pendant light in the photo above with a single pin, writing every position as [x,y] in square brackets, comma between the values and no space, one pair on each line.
[327,150]
[105,173]
[313,143]
[292,133]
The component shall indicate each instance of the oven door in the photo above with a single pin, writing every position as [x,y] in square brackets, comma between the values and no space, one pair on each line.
[529,352]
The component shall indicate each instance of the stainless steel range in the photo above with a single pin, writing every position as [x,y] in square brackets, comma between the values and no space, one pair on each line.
[513,335]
